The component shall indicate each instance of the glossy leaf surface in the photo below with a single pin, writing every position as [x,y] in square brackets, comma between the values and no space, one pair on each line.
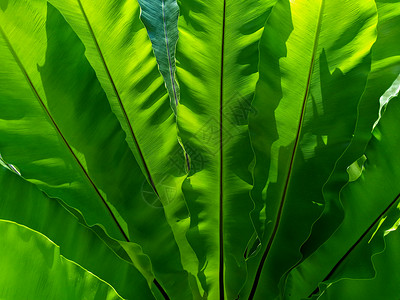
[25,253]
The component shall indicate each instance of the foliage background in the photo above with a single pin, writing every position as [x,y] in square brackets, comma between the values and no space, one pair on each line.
[199,150]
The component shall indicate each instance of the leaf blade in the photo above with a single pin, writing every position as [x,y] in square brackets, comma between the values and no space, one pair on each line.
[77,243]
[67,85]
[28,253]
[367,202]
[292,136]
[216,70]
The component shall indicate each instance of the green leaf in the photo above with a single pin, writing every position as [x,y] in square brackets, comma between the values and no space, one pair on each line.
[217,59]
[120,51]
[77,242]
[4,164]
[57,127]
[384,70]
[234,193]
[384,286]
[315,58]
[128,72]
[161,20]
[32,268]
[371,212]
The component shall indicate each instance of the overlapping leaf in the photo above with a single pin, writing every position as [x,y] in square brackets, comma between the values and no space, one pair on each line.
[370,205]
[385,68]
[161,20]
[32,268]
[79,95]
[119,50]
[23,203]
[128,72]
[384,286]
[58,128]
[313,70]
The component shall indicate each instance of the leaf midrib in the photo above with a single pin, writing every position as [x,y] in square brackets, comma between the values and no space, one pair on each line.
[343,258]
[58,130]
[221,188]
[172,74]
[114,87]
[295,146]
